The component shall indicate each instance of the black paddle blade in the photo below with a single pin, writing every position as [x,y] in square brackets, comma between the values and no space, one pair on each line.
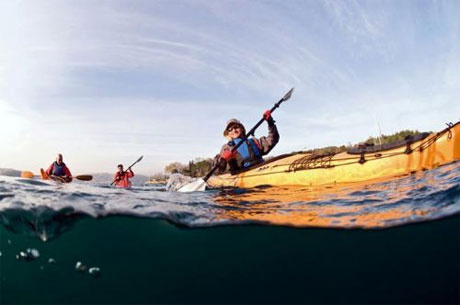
[137,161]
[287,95]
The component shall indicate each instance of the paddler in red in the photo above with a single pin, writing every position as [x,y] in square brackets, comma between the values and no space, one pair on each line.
[58,168]
[121,178]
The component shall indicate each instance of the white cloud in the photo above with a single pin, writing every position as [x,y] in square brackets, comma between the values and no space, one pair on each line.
[111,80]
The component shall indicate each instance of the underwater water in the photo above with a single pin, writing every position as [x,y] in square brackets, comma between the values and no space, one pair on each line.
[387,242]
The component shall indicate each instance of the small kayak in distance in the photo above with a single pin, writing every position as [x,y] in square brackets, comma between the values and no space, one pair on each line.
[123,185]
[59,179]
[357,165]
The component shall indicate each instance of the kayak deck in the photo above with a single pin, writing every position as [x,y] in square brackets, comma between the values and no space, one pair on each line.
[59,179]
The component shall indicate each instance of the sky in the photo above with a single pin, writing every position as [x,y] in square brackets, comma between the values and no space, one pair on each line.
[104,82]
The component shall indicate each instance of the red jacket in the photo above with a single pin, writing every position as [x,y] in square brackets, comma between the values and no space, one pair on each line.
[122,180]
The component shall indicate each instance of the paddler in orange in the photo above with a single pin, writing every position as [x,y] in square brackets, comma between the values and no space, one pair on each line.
[121,178]
[59,169]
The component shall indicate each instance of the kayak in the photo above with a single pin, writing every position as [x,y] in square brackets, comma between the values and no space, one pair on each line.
[59,179]
[360,164]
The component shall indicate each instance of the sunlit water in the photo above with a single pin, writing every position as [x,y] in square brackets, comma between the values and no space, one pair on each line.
[46,209]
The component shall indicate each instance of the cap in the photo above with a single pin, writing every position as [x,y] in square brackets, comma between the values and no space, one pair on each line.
[233,122]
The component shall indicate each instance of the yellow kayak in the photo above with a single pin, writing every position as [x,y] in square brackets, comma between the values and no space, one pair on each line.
[362,164]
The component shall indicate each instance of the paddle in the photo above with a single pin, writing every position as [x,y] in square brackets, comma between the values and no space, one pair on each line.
[27,174]
[138,160]
[200,184]
[45,176]
[69,179]
[84,177]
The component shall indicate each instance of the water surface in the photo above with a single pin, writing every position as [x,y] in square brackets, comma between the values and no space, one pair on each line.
[388,242]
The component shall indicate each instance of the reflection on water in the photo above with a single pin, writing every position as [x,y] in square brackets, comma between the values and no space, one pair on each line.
[423,195]
[47,210]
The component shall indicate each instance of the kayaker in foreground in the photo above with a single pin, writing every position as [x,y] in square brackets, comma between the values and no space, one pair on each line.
[121,178]
[59,169]
[249,153]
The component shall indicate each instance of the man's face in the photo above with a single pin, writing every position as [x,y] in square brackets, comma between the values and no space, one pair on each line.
[120,169]
[59,159]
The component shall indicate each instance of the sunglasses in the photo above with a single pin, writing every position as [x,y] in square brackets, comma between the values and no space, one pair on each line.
[233,128]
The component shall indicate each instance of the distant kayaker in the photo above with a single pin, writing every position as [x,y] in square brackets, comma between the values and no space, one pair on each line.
[59,169]
[249,153]
[121,178]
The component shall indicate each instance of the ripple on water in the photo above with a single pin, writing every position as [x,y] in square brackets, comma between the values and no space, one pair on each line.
[46,210]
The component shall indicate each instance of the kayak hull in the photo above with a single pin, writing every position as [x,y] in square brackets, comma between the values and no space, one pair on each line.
[59,179]
[307,169]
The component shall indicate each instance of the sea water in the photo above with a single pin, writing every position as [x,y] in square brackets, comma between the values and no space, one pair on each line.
[392,241]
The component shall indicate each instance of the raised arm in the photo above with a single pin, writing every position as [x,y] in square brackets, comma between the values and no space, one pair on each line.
[267,143]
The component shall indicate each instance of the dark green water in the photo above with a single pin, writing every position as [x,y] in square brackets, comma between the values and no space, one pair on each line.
[152,261]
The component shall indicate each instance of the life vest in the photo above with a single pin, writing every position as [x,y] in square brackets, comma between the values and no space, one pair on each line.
[248,153]
[58,170]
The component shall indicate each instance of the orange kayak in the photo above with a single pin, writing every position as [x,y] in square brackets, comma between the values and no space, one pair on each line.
[45,176]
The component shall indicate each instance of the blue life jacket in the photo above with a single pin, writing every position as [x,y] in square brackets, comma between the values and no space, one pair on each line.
[58,170]
[248,153]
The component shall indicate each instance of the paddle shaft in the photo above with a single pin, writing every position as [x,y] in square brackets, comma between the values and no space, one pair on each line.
[251,132]
[132,165]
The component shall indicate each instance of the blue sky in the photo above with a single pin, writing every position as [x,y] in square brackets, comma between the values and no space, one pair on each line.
[104,82]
